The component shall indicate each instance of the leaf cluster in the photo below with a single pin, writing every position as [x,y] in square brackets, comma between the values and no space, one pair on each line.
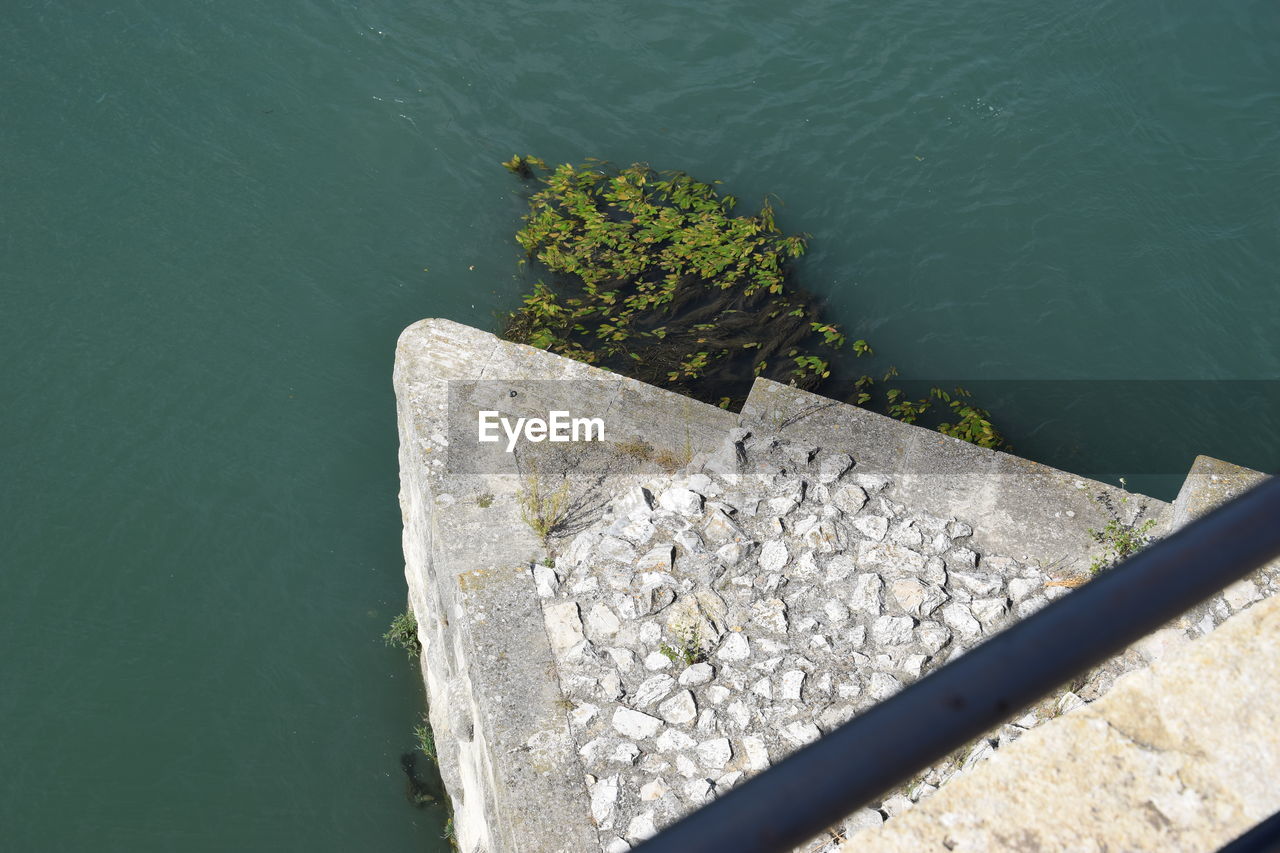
[403,634]
[653,275]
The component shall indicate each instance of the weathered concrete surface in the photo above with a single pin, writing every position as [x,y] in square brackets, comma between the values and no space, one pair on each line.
[1031,512]
[1181,756]
[495,702]
[1210,483]
[509,713]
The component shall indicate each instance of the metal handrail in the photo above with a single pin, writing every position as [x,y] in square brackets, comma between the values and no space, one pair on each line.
[821,783]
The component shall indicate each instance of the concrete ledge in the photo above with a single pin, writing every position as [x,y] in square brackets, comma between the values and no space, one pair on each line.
[1029,511]
[1181,756]
[497,693]
[495,701]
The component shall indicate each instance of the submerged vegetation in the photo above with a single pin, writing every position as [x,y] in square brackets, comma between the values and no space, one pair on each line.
[654,276]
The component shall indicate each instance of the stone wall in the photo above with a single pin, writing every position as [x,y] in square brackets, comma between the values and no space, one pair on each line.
[1182,756]
[731,587]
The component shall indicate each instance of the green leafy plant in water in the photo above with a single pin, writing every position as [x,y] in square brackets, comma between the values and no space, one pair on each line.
[654,276]
[403,634]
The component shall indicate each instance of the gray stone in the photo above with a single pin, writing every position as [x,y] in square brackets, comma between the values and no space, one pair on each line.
[833,467]
[781,506]
[655,661]
[888,559]
[625,753]
[770,614]
[912,664]
[696,674]
[564,625]
[652,689]
[789,685]
[1069,702]
[932,636]
[1241,594]
[682,501]
[849,498]
[934,572]
[657,559]
[601,622]
[881,686]
[862,819]
[635,501]
[896,804]
[636,530]
[674,740]
[680,709]
[958,618]
[839,567]
[988,611]
[865,596]
[836,611]
[635,724]
[604,797]
[733,553]
[698,791]
[545,581]
[979,585]
[1030,605]
[873,527]
[906,535]
[734,648]
[757,752]
[1020,589]
[891,630]
[801,732]
[824,537]
[714,754]
[641,827]
[773,556]
[871,482]
[980,752]
[916,598]
[721,528]
[613,548]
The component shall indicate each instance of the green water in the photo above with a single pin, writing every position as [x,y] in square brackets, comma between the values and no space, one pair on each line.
[216,217]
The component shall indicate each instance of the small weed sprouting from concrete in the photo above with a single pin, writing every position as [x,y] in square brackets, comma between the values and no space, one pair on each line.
[403,634]
[637,448]
[687,651]
[1119,542]
[1119,539]
[542,509]
[671,461]
[484,501]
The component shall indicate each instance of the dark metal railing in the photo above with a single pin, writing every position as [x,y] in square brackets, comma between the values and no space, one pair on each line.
[818,785]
